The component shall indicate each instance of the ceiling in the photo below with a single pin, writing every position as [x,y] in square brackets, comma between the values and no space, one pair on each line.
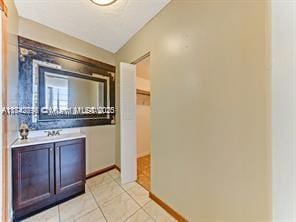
[108,27]
[143,68]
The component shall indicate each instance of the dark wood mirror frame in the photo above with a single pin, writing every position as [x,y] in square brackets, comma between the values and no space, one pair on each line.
[31,54]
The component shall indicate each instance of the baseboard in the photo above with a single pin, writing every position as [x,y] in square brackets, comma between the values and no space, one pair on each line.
[167,208]
[118,168]
[101,171]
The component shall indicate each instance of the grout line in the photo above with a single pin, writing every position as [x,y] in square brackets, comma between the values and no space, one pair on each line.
[132,214]
[141,207]
[103,183]
[147,211]
[150,217]
[124,191]
[113,180]
[142,185]
[163,210]
[133,198]
[59,213]
[85,214]
[82,214]
[99,207]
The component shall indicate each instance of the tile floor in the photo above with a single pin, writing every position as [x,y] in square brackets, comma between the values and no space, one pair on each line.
[144,171]
[107,200]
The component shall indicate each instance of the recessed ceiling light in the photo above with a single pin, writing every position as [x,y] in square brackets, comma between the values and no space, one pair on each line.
[103,2]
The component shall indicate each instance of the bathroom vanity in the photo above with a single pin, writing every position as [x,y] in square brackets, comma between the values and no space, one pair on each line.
[46,171]
[64,91]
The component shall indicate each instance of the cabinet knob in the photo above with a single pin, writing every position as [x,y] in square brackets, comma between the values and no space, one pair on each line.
[51,149]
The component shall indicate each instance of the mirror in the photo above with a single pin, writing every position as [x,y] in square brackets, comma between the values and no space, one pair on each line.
[53,79]
[69,95]
[63,92]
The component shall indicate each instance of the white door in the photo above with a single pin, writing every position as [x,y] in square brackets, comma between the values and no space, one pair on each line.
[128,137]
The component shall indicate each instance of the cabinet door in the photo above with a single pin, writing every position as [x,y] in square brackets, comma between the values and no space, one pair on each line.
[70,165]
[33,175]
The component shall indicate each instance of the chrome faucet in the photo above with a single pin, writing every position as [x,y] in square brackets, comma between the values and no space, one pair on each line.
[53,132]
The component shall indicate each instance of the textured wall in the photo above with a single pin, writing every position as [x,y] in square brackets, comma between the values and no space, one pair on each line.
[210,158]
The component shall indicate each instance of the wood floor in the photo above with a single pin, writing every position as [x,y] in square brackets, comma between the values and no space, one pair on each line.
[144,171]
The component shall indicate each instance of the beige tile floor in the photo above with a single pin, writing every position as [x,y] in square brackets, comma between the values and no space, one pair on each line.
[107,200]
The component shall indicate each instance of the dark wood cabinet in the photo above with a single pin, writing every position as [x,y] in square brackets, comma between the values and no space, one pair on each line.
[34,175]
[70,166]
[47,174]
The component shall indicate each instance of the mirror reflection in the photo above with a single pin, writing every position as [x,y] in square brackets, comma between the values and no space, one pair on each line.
[69,95]
[63,92]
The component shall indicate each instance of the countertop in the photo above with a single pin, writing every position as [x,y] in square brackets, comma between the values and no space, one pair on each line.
[46,139]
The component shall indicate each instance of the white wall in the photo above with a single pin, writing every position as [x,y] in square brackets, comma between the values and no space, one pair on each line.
[143,119]
[284,110]
[143,84]
[143,130]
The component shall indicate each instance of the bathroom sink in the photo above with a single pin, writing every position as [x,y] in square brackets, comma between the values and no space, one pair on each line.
[46,139]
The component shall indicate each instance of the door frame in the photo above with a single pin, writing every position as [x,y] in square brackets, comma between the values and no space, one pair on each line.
[146,55]
[3,119]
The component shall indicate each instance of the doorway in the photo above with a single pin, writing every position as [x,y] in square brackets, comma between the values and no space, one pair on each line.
[143,110]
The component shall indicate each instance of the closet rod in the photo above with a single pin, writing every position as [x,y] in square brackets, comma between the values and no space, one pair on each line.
[143,92]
